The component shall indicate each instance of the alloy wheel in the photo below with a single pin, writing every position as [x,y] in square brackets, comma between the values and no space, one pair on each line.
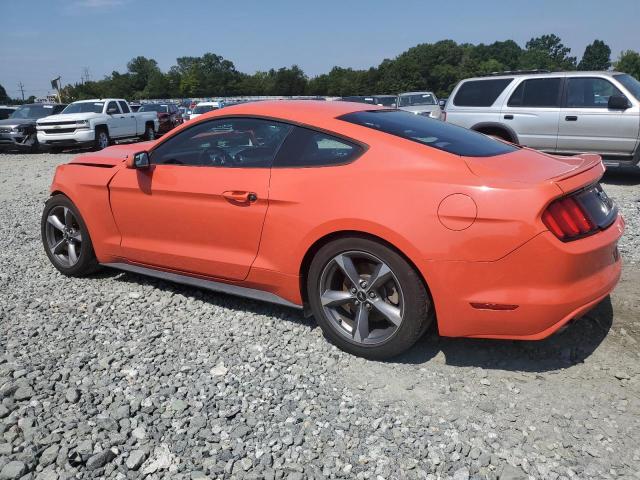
[103,140]
[361,297]
[63,236]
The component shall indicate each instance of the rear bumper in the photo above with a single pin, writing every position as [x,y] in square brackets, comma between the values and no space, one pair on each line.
[551,283]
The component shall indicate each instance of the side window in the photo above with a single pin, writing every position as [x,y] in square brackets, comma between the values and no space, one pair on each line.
[124,107]
[537,92]
[585,92]
[111,105]
[480,93]
[310,148]
[225,142]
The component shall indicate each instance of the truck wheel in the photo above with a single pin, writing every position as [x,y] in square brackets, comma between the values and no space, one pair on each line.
[102,139]
[149,133]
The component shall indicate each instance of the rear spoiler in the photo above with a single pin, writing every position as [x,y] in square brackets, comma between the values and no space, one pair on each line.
[589,169]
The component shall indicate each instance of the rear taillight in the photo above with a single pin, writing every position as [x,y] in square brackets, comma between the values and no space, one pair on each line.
[579,214]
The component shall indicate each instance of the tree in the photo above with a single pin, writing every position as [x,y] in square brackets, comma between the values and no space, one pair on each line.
[3,95]
[597,56]
[629,62]
[140,70]
[548,52]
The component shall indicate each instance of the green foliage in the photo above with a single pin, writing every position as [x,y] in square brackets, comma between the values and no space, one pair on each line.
[629,62]
[3,95]
[427,66]
[597,56]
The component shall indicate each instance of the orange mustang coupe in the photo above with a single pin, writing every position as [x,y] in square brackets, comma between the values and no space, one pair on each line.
[377,221]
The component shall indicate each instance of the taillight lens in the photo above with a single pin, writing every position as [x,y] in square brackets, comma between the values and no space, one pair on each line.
[580,214]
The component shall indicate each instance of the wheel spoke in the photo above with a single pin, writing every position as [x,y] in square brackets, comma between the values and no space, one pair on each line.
[390,312]
[77,236]
[361,331]
[57,248]
[55,221]
[380,275]
[348,268]
[73,256]
[68,217]
[335,298]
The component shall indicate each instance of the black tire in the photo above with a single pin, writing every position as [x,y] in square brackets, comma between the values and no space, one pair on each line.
[86,259]
[417,306]
[149,133]
[102,139]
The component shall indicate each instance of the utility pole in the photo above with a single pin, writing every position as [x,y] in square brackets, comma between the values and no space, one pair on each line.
[86,76]
[21,86]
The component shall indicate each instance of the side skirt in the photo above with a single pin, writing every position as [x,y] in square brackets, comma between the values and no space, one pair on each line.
[205,284]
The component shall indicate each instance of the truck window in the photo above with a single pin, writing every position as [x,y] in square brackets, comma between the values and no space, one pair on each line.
[587,92]
[480,93]
[537,92]
[111,105]
[124,107]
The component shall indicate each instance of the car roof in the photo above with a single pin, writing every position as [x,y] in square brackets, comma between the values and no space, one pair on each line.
[302,111]
[573,73]
[415,93]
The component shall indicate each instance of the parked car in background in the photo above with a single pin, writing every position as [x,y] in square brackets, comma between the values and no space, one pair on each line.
[5,111]
[458,229]
[135,107]
[204,107]
[168,115]
[19,130]
[390,101]
[420,103]
[559,112]
[358,99]
[96,123]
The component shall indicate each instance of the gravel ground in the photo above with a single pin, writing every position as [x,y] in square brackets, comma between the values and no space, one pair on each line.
[121,376]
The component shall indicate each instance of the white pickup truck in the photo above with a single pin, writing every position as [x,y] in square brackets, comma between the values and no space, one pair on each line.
[95,123]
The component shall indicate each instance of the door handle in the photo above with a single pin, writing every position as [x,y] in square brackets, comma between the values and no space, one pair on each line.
[508,117]
[571,118]
[239,196]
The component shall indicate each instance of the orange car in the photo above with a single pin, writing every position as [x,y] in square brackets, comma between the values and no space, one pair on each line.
[376,221]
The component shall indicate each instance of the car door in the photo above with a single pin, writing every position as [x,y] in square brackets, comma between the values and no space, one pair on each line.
[115,119]
[200,206]
[588,125]
[533,112]
[129,120]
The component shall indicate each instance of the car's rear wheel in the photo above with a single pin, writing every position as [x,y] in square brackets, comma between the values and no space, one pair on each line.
[102,140]
[367,298]
[66,239]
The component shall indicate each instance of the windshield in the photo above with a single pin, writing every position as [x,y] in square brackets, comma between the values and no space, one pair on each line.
[418,99]
[204,108]
[630,83]
[429,132]
[386,101]
[32,111]
[154,108]
[84,107]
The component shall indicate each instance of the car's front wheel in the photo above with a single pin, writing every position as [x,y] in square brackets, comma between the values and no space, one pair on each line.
[66,239]
[367,298]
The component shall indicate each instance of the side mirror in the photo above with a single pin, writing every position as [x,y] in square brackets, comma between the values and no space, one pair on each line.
[112,111]
[139,161]
[618,102]
[442,103]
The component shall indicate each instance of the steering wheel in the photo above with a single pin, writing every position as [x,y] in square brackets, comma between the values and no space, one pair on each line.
[214,156]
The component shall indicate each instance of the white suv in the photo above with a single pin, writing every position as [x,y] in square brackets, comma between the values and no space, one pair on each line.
[562,112]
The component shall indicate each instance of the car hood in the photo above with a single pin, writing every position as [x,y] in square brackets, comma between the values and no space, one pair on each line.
[420,108]
[68,117]
[111,156]
[530,166]
[14,122]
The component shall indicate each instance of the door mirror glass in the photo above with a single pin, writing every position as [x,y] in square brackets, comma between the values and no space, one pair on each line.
[112,110]
[618,102]
[139,161]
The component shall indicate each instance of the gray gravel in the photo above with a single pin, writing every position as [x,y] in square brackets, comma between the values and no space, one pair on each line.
[120,376]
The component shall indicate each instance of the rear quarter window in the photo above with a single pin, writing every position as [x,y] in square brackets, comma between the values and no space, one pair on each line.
[429,132]
[305,147]
[480,93]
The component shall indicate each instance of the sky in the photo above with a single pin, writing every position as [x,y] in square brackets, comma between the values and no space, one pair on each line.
[63,37]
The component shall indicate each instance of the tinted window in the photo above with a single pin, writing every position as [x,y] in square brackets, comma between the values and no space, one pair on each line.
[5,112]
[84,107]
[480,93]
[630,83]
[417,99]
[58,108]
[111,105]
[309,148]
[33,111]
[154,107]
[537,92]
[589,92]
[124,107]
[229,142]
[430,132]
